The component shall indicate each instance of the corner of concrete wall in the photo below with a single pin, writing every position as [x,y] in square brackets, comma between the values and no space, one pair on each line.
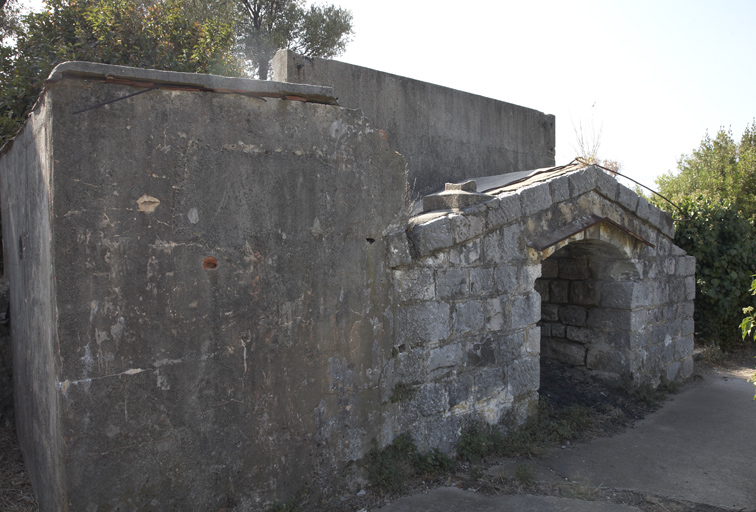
[26,177]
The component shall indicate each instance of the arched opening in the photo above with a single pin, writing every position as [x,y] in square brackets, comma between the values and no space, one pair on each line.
[587,317]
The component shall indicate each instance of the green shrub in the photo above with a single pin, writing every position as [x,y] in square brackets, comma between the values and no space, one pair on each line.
[723,241]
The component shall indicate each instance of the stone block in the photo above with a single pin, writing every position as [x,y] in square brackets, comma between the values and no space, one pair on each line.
[430,400]
[524,310]
[446,356]
[627,198]
[509,346]
[415,284]
[573,315]
[550,268]
[564,352]
[560,189]
[424,322]
[465,254]
[642,210]
[542,287]
[585,293]
[688,327]
[503,210]
[505,277]
[523,376]
[452,283]
[574,269]
[684,347]
[504,245]
[584,334]
[410,366]
[690,287]
[617,319]
[685,309]
[686,266]
[582,181]
[468,316]
[559,330]
[482,281]
[527,276]
[618,294]
[666,224]
[606,185]
[673,371]
[669,266]
[532,346]
[494,314]
[481,353]
[550,312]
[398,248]
[559,292]
[535,198]
[606,360]
[431,236]
[467,225]
[687,368]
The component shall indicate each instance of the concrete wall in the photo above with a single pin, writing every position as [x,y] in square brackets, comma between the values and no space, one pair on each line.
[202,313]
[26,181]
[446,135]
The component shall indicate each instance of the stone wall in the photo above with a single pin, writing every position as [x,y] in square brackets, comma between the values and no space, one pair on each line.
[444,134]
[469,286]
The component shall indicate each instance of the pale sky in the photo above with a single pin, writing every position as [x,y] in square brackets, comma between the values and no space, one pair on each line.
[653,75]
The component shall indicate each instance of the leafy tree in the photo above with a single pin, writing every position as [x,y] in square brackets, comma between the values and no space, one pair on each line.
[723,242]
[154,34]
[8,18]
[720,169]
[264,26]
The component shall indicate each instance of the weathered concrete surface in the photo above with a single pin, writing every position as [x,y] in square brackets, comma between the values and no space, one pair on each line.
[451,499]
[446,135]
[201,298]
[699,447]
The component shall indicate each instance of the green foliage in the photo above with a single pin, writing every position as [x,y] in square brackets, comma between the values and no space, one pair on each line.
[719,170]
[157,35]
[748,325]
[264,26]
[390,468]
[723,241]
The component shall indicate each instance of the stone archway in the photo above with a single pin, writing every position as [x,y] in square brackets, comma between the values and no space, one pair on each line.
[587,289]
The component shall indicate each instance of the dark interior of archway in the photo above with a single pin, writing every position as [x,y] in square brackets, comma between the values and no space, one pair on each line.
[570,286]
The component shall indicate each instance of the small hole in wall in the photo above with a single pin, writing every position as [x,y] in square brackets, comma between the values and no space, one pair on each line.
[20,248]
[210,263]
[370,240]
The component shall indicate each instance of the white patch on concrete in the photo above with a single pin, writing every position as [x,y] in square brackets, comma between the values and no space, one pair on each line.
[193,216]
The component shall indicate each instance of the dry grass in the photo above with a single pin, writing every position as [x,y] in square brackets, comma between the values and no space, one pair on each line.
[16,493]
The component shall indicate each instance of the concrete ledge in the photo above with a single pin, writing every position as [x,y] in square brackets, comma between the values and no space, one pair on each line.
[211,83]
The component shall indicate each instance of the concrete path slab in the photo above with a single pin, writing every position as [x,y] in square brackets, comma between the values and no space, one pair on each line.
[451,499]
[700,446]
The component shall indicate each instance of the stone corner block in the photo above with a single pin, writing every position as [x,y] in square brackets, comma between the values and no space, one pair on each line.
[627,198]
[504,209]
[398,249]
[535,198]
[431,236]
[607,185]
[582,181]
[467,225]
